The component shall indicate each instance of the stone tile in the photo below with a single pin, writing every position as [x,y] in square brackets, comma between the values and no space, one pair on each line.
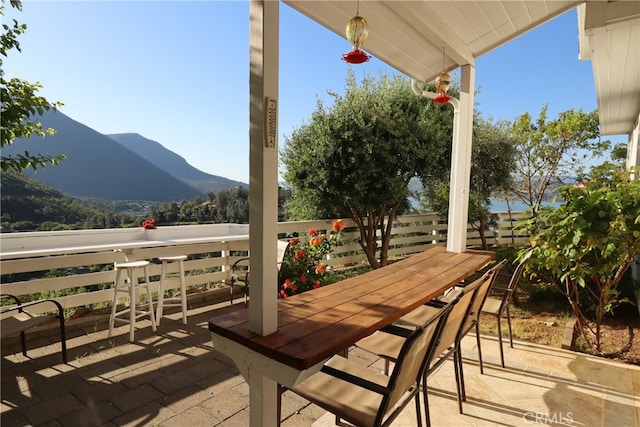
[91,415]
[225,405]
[150,414]
[172,382]
[52,408]
[135,398]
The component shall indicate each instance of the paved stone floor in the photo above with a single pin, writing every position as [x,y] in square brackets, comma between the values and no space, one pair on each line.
[174,377]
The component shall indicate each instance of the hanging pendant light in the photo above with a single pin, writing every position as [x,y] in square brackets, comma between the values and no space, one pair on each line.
[357,31]
[443,83]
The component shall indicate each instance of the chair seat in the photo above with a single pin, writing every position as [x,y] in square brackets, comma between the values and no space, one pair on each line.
[491,305]
[419,316]
[382,344]
[20,322]
[345,399]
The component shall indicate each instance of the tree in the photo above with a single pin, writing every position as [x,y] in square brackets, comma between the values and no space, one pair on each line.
[549,151]
[491,166]
[585,246]
[20,105]
[356,158]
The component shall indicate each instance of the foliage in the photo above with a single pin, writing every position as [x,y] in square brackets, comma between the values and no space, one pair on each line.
[20,103]
[491,166]
[303,266]
[29,205]
[355,159]
[547,151]
[585,246]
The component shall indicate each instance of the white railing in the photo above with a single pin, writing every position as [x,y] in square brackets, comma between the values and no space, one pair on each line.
[81,261]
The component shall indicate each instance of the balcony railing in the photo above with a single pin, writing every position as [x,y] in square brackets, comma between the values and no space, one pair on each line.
[79,263]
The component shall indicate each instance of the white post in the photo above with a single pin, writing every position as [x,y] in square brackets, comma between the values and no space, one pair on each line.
[461,164]
[263,167]
[263,196]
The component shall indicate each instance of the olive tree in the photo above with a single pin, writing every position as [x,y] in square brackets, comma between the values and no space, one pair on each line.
[356,157]
[20,105]
[585,246]
[492,156]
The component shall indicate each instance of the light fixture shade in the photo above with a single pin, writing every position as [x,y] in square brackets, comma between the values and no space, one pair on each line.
[357,31]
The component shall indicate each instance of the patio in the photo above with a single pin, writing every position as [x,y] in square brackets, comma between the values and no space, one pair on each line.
[175,378]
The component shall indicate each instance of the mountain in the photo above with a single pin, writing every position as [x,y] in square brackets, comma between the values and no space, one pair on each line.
[98,166]
[27,203]
[174,164]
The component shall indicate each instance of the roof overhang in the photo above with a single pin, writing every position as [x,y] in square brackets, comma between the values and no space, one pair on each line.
[609,35]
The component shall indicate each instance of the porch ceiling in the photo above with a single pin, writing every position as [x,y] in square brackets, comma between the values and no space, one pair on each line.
[410,37]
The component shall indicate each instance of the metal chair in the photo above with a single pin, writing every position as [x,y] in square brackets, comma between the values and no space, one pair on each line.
[22,321]
[240,271]
[497,303]
[463,300]
[365,397]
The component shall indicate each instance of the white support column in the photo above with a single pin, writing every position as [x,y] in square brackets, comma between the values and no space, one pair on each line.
[461,164]
[263,198]
[263,166]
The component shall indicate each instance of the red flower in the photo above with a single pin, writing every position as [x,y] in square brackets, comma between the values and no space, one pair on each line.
[313,231]
[300,255]
[150,224]
[337,225]
[315,241]
[293,241]
[302,278]
[320,268]
[316,284]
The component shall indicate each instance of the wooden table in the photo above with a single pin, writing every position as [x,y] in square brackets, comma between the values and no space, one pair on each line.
[317,324]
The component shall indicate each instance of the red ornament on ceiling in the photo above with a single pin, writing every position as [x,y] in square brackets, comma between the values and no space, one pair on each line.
[357,31]
[443,82]
[356,57]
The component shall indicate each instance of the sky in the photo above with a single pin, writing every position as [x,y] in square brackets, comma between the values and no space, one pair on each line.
[178,72]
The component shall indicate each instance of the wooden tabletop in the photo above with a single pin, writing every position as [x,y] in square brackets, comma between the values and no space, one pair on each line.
[317,324]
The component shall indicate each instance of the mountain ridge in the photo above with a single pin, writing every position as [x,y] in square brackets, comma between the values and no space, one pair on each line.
[100,166]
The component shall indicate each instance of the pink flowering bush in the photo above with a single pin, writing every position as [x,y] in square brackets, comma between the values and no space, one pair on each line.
[303,267]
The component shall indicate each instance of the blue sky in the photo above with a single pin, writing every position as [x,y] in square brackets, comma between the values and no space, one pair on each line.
[178,72]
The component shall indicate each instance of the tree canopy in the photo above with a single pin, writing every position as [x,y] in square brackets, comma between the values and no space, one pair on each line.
[548,151]
[355,158]
[491,168]
[21,104]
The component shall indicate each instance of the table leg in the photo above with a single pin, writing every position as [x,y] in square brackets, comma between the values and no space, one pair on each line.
[263,401]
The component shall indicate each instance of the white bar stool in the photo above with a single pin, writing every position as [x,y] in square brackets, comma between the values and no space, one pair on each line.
[127,282]
[165,275]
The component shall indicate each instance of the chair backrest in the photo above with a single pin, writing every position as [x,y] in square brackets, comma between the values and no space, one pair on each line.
[507,294]
[283,246]
[487,280]
[416,352]
[459,316]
